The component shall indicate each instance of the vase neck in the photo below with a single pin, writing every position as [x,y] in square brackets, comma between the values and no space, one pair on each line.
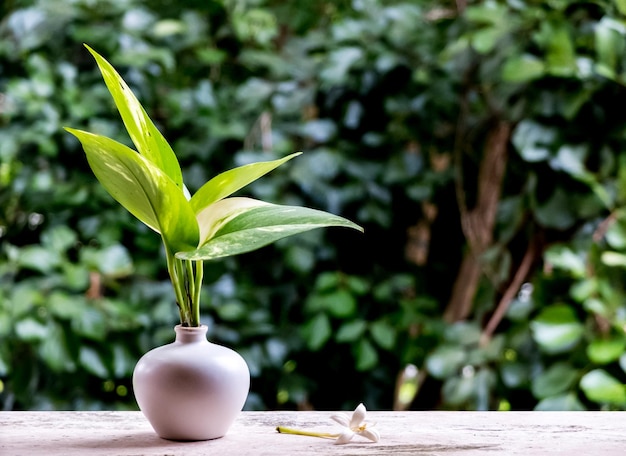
[189,334]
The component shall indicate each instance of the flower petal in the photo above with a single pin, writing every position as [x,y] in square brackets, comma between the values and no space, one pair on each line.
[371,434]
[358,416]
[342,419]
[344,438]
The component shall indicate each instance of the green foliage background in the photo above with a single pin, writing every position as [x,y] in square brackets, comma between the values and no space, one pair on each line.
[483,149]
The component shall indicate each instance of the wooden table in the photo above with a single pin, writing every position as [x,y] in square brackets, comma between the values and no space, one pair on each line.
[402,434]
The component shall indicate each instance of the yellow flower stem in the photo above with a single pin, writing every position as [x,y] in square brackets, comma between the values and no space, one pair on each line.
[323,435]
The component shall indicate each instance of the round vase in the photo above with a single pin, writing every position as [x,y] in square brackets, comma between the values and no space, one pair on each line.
[191,389]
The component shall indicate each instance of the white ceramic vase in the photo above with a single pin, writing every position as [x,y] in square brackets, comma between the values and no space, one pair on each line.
[191,389]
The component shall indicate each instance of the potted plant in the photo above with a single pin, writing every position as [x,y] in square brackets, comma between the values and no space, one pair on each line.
[190,389]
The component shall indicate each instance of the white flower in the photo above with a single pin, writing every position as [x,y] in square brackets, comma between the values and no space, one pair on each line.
[355,425]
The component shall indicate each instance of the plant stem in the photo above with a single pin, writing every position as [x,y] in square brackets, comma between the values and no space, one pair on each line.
[323,435]
[186,277]
[191,292]
[199,276]
[178,286]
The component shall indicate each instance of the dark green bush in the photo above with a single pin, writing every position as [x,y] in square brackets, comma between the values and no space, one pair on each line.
[482,149]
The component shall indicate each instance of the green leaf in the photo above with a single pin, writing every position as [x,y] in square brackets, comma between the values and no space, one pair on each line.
[557,212]
[459,390]
[351,331]
[621,6]
[605,351]
[532,140]
[557,329]
[91,360]
[38,258]
[30,329]
[462,333]
[238,225]
[609,44]
[91,323]
[366,355]
[142,188]
[563,257]
[601,387]
[514,374]
[616,234]
[55,352]
[555,380]
[123,361]
[232,310]
[486,39]
[384,334]
[566,402]
[228,182]
[613,259]
[317,331]
[522,68]
[340,303]
[66,306]
[445,361]
[115,261]
[146,137]
[555,37]
[58,238]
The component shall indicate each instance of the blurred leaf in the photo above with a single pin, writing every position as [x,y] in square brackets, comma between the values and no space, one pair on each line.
[351,331]
[92,361]
[570,159]
[444,361]
[532,140]
[555,37]
[609,44]
[485,39]
[55,351]
[340,61]
[614,259]
[66,306]
[459,390]
[563,257]
[621,6]
[123,361]
[317,331]
[599,386]
[340,304]
[91,324]
[514,375]
[58,238]
[232,311]
[115,261]
[523,68]
[39,259]
[555,380]
[366,355]
[255,24]
[604,351]
[384,334]
[463,333]
[556,212]
[566,402]
[30,329]
[556,329]
[616,234]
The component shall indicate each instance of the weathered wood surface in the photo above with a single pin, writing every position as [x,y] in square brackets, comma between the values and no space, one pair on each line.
[402,433]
